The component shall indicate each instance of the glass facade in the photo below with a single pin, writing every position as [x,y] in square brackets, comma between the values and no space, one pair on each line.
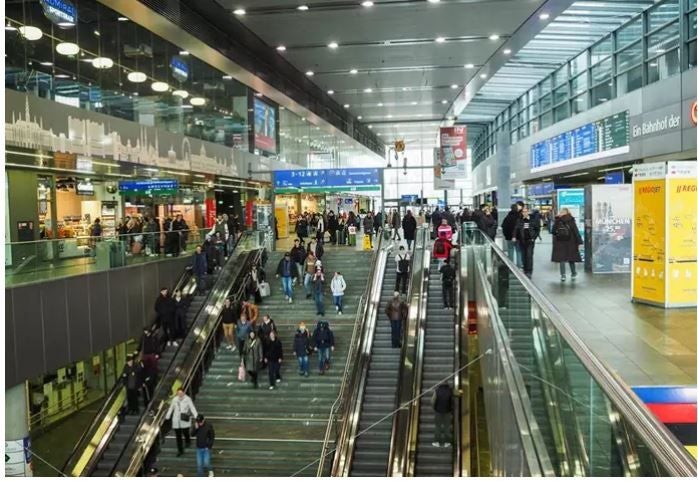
[658,43]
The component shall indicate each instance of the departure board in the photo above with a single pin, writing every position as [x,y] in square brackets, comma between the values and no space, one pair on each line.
[607,136]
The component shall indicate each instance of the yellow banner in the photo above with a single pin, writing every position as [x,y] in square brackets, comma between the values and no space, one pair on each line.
[648,240]
[681,234]
[281,215]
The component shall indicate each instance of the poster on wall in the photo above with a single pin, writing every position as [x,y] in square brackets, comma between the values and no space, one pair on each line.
[453,152]
[649,201]
[681,233]
[264,126]
[281,221]
[573,199]
[611,228]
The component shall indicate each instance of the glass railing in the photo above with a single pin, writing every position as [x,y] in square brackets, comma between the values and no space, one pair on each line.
[589,421]
[36,261]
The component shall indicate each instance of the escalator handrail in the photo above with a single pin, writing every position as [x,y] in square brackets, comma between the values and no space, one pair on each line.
[670,453]
[337,406]
[344,453]
[149,427]
[107,405]
[403,439]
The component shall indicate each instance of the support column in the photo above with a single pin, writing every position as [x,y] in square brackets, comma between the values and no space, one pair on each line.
[502,169]
[17,457]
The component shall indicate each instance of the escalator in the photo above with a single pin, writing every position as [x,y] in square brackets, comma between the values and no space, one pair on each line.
[103,443]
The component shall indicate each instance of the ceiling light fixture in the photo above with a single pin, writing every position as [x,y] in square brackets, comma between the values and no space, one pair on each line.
[183,53]
[454,86]
[507,51]
[30,33]
[310,73]
[368,90]
[389,116]
[440,39]
[367,4]
[302,8]
[281,48]
[122,19]
[469,65]
[359,117]
[333,45]
[494,36]
[181,93]
[544,16]
[67,48]
[483,75]
[159,86]
[137,77]
[330,92]
[346,106]
[239,11]
[433,1]
[353,71]
[197,101]
[46,64]
[227,77]
[9,27]
[380,104]
[414,103]
[102,63]
[444,102]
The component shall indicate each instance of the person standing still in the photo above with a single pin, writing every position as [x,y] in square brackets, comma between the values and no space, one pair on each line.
[181,412]
[132,376]
[525,234]
[397,314]
[566,243]
[205,436]
[409,228]
[402,270]
[508,227]
[442,402]
[448,276]
[200,269]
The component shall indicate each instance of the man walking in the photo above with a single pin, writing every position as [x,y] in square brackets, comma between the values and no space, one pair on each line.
[397,314]
[285,270]
[204,443]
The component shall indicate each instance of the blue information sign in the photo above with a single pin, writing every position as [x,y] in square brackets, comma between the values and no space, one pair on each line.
[561,147]
[584,140]
[409,198]
[61,12]
[147,185]
[614,177]
[326,178]
[540,154]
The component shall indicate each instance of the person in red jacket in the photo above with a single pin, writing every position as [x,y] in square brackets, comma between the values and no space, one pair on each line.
[442,250]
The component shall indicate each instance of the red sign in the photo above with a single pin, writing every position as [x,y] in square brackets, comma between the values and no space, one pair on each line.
[210,212]
[249,211]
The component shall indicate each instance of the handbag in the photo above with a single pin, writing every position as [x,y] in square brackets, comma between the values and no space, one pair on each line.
[241,373]
[185,417]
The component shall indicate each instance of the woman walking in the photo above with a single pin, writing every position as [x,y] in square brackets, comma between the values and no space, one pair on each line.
[566,242]
[252,357]
[338,286]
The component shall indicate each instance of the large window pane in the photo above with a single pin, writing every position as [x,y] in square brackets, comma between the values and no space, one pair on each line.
[692,54]
[692,25]
[533,110]
[601,94]
[546,120]
[630,80]
[629,33]
[545,86]
[663,41]
[580,63]
[663,13]
[579,84]
[692,4]
[562,112]
[560,76]
[601,72]
[546,102]
[629,57]
[579,104]
[663,67]
[601,50]
[560,94]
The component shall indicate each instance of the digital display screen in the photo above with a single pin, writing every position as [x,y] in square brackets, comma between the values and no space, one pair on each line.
[264,127]
[323,179]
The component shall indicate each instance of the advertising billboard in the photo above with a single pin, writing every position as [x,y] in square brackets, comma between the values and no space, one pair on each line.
[681,233]
[649,239]
[573,199]
[264,126]
[453,152]
[611,209]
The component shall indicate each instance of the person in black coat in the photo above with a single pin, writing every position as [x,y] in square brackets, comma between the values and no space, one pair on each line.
[165,310]
[205,436]
[486,223]
[566,242]
[508,226]
[526,232]
[409,228]
[181,304]
[301,349]
[132,377]
[273,357]
[200,269]
[332,225]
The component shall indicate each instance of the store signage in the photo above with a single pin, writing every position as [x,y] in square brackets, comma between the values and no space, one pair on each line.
[657,126]
[453,153]
[84,187]
[595,140]
[614,177]
[61,12]
[180,69]
[148,187]
[264,126]
[655,170]
[327,179]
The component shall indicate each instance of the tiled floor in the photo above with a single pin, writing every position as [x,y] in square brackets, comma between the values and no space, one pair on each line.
[645,345]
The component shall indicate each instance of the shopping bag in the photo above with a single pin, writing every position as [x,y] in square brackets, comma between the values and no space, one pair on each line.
[241,373]
[264,289]
[367,243]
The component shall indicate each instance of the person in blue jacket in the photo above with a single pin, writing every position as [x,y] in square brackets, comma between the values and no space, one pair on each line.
[200,268]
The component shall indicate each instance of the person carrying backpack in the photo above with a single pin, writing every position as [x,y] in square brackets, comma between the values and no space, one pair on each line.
[448,277]
[442,402]
[397,311]
[402,270]
[566,242]
[323,338]
[442,250]
[525,234]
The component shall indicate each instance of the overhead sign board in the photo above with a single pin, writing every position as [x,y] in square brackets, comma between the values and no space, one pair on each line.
[326,180]
[148,186]
[60,12]
[180,68]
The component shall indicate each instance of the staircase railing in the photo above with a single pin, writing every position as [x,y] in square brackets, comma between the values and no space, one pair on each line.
[351,408]
[337,409]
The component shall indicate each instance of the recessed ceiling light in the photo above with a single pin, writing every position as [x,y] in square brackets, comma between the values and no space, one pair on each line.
[390,116]
[379,134]
[444,102]
[333,45]
[102,63]
[239,11]
[494,36]
[258,94]
[469,65]
[353,71]
[507,51]
[370,126]
[122,19]
[281,48]
[330,92]
[483,75]
[368,90]
[440,39]
[544,16]
[310,73]
[96,32]
[227,77]
[433,1]
[137,77]
[67,48]
[46,64]
[454,86]
[359,117]
[346,106]
[183,53]
[380,104]
[62,75]
[302,8]
[414,103]
[181,93]
[30,33]
[159,86]
[367,4]
[197,101]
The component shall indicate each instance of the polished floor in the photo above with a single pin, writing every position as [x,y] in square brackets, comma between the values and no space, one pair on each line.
[644,345]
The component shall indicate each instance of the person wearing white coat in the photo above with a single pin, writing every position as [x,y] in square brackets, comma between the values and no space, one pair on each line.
[338,286]
[182,411]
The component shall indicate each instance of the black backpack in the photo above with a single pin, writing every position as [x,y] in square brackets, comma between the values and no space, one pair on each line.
[404,264]
[563,232]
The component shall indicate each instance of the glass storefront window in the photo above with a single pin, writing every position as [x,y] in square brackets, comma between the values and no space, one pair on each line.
[601,50]
[629,33]
[579,104]
[601,72]
[629,80]
[663,67]
[663,40]
[662,13]
[579,63]
[629,57]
